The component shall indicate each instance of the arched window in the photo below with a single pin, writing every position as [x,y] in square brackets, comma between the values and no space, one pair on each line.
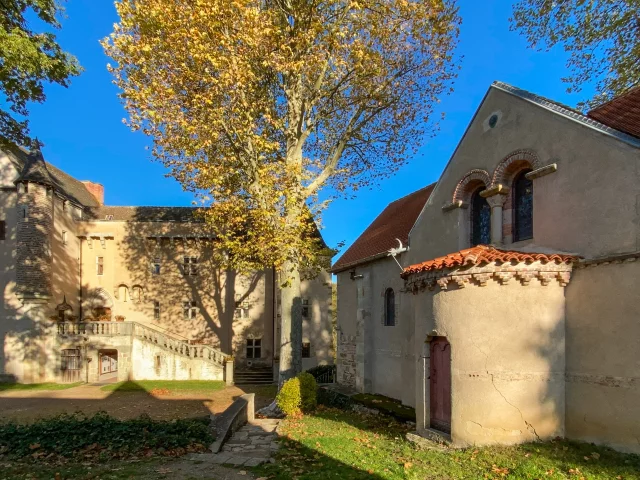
[480,219]
[522,207]
[389,308]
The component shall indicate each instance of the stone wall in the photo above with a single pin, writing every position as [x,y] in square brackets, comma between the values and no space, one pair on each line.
[346,368]
[33,252]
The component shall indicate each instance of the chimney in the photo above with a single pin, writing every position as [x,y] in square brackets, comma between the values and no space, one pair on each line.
[96,189]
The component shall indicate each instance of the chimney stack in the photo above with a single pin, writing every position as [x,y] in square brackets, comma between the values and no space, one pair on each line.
[96,189]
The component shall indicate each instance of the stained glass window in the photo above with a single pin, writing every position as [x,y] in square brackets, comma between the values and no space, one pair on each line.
[523,207]
[480,220]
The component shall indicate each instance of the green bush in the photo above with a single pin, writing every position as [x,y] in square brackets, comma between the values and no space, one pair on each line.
[289,398]
[308,392]
[76,435]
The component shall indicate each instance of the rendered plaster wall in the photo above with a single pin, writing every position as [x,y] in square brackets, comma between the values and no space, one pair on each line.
[380,357]
[603,355]
[588,206]
[10,320]
[65,280]
[172,366]
[507,360]
[316,329]
[128,254]
[390,343]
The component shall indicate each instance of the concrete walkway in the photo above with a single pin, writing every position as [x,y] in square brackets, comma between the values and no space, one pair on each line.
[252,445]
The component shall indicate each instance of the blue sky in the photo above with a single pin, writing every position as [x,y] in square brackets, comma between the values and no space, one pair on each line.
[83,132]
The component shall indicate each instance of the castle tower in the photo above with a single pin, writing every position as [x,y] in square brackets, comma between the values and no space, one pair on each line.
[34,231]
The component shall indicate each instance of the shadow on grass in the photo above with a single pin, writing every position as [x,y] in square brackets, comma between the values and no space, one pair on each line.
[126,401]
[166,386]
[337,444]
[15,387]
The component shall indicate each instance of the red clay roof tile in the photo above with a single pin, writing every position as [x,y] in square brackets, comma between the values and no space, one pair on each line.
[484,254]
[395,221]
[621,113]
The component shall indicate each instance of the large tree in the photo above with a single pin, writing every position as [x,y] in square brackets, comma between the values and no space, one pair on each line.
[267,109]
[27,60]
[602,38]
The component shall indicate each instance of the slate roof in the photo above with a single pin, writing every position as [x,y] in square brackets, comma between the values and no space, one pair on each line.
[485,254]
[621,113]
[395,221]
[143,214]
[34,168]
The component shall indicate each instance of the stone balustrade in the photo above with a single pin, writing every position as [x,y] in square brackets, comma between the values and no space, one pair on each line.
[150,334]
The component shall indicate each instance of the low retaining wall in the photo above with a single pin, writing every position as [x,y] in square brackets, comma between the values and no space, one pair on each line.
[241,411]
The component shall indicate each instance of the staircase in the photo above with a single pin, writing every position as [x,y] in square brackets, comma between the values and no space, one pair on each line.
[156,352]
[254,376]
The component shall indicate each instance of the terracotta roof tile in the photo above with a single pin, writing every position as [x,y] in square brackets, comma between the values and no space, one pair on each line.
[484,254]
[621,113]
[395,221]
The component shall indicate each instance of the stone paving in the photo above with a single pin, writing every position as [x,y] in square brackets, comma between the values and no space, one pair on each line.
[253,444]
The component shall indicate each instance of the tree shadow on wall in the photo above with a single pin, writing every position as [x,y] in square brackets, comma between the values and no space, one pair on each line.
[168,236]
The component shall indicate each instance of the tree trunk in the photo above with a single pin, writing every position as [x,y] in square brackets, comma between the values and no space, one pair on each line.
[290,324]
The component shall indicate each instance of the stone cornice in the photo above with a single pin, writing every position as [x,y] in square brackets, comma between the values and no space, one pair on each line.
[545,273]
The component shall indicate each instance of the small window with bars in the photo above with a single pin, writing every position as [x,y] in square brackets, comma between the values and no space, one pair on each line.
[254,347]
[190,266]
[100,265]
[306,350]
[190,310]
[156,310]
[305,308]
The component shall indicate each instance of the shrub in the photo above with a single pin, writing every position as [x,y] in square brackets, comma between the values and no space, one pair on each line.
[308,392]
[77,435]
[288,398]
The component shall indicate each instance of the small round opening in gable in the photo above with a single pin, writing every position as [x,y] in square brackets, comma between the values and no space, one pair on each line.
[493,120]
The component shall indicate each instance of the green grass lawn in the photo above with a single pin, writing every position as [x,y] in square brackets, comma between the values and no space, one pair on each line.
[336,444]
[37,386]
[170,385]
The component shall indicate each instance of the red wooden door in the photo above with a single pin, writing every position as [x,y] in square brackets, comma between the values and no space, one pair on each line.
[440,384]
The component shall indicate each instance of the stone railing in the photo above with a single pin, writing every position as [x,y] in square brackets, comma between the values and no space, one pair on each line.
[150,334]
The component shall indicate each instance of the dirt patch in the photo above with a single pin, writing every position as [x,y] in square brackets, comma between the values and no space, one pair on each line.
[26,407]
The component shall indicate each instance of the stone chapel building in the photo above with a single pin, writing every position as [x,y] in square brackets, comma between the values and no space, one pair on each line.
[512,311]
[102,293]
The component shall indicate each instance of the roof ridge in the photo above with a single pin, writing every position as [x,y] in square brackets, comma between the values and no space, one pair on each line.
[567,112]
[409,194]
